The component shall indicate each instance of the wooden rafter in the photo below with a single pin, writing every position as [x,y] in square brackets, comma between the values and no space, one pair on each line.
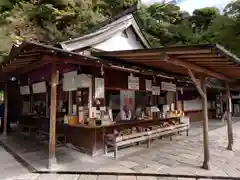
[197,68]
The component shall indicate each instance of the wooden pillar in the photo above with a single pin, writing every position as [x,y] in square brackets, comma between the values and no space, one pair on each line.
[5,108]
[176,100]
[70,104]
[205,125]
[53,111]
[47,104]
[229,118]
[203,92]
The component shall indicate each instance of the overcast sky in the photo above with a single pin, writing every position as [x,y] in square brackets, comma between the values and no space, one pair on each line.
[191,5]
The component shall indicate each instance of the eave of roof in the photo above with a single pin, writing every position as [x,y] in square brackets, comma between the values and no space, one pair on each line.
[207,59]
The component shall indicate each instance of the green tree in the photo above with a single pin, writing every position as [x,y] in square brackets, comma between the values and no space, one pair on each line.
[232,10]
[202,18]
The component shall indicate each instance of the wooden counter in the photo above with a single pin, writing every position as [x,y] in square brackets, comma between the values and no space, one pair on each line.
[90,139]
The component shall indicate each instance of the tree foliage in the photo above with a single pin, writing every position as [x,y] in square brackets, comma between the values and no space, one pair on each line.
[163,24]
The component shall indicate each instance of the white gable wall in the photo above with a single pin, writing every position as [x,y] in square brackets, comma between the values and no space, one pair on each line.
[120,42]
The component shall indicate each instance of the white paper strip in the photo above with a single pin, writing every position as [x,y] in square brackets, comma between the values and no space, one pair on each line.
[148,84]
[39,87]
[133,82]
[99,88]
[24,90]
[155,90]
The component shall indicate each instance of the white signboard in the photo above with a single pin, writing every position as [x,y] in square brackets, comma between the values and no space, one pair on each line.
[148,84]
[133,82]
[82,81]
[155,90]
[99,88]
[165,86]
[69,81]
[24,90]
[39,87]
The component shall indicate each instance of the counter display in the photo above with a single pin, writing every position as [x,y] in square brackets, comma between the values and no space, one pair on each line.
[90,138]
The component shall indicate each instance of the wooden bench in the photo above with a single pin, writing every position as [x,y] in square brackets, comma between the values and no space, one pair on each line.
[118,141]
[169,131]
[44,135]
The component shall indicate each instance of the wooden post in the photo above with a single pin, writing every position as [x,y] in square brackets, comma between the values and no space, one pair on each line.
[70,103]
[52,134]
[229,118]
[176,100]
[5,108]
[47,104]
[205,125]
[203,92]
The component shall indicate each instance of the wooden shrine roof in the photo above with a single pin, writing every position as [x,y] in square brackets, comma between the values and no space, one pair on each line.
[207,59]
[32,55]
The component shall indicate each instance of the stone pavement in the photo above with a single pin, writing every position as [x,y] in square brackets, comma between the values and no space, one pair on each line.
[183,155]
[9,167]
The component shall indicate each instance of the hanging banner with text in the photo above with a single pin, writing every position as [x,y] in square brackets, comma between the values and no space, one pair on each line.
[133,82]
[99,88]
[165,86]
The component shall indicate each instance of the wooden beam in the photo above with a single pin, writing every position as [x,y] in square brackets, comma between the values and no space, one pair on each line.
[53,111]
[205,125]
[201,56]
[229,118]
[196,68]
[196,83]
[5,108]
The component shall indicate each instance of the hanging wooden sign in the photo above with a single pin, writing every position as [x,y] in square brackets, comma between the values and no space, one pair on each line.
[24,90]
[165,86]
[39,87]
[148,84]
[156,90]
[133,82]
[83,81]
[69,81]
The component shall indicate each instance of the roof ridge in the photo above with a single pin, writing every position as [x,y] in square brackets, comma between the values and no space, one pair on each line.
[127,11]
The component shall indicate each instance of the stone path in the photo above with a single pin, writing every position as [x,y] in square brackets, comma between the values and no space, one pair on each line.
[183,155]
[9,167]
